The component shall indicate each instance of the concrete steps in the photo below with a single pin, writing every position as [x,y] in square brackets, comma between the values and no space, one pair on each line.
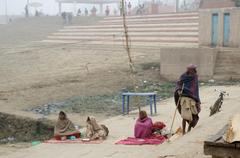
[135,39]
[152,20]
[227,64]
[106,44]
[180,29]
[134,25]
[162,15]
[184,29]
[132,33]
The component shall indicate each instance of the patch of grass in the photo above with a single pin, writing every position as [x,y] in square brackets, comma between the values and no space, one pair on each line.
[110,105]
[151,65]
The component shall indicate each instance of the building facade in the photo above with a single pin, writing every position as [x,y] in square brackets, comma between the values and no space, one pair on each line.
[219,23]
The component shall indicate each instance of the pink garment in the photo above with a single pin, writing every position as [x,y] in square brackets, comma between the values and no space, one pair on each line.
[143,128]
[153,140]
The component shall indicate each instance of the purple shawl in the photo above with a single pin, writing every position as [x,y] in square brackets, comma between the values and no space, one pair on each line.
[143,128]
[191,88]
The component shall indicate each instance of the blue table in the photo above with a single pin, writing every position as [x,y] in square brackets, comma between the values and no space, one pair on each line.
[152,99]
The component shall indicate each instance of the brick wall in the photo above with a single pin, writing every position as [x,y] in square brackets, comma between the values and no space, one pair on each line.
[205,4]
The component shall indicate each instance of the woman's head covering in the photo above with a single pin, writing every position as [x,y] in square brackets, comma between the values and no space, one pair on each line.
[191,66]
[192,69]
[142,114]
[92,121]
[62,115]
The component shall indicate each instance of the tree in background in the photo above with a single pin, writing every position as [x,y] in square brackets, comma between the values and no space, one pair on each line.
[190,5]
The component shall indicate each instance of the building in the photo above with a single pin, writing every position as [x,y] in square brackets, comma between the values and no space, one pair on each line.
[207,4]
[219,23]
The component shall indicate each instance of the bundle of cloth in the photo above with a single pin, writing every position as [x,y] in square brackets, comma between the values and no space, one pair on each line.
[95,131]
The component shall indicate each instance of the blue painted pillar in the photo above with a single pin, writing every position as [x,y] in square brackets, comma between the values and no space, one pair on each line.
[150,97]
[123,104]
[128,98]
[155,104]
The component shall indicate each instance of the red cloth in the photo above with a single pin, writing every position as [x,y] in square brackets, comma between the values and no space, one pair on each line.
[152,140]
[58,137]
[158,126]
[76,141]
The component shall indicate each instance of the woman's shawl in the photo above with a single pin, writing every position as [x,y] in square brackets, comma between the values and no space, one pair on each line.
[64,127]
[191,88]
[94,130]
[143,128]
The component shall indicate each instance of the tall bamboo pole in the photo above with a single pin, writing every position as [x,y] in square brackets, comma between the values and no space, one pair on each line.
[130,61]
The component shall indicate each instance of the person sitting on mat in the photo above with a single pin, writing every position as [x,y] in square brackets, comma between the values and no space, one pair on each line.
[64,128]
[144,126]
[94,130]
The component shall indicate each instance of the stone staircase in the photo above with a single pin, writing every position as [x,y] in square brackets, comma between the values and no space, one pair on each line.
[168,29]
[227,65]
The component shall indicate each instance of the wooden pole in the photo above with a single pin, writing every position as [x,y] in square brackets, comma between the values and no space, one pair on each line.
[130,61]
[178,103]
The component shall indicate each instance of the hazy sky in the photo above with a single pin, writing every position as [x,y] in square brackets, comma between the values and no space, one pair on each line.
[16,7]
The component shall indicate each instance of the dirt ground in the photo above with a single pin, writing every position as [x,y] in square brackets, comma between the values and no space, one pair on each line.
[187,146]
[53,73]
[34,73]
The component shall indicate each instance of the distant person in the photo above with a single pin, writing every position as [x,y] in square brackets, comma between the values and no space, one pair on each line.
[107,11]
[93,11]
[86,12]
[187,97]
[69,18]
[140,10]
[26,11]
[125,8]
[64,128]
[121,8]
[143,126]
[64,16]
[79,12]
[115,12]
[37,13]
[94,130]
[129,8]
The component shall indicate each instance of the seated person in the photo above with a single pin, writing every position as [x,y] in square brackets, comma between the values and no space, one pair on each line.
[95,131]
[64,128]
[143,127]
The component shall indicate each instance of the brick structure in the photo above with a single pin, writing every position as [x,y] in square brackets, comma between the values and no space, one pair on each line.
[207,4]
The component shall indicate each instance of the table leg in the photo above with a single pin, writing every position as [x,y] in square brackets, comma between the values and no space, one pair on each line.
[123,104]
[150,97]
[128,98]
[155,104]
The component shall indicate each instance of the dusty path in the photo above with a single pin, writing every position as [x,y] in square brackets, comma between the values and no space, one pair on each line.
[190,145]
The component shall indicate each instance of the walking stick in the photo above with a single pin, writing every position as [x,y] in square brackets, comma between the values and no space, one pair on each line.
[178,102]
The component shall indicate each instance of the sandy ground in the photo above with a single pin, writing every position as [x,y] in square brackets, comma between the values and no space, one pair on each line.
[35,73]
[40,74]
[188,146]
